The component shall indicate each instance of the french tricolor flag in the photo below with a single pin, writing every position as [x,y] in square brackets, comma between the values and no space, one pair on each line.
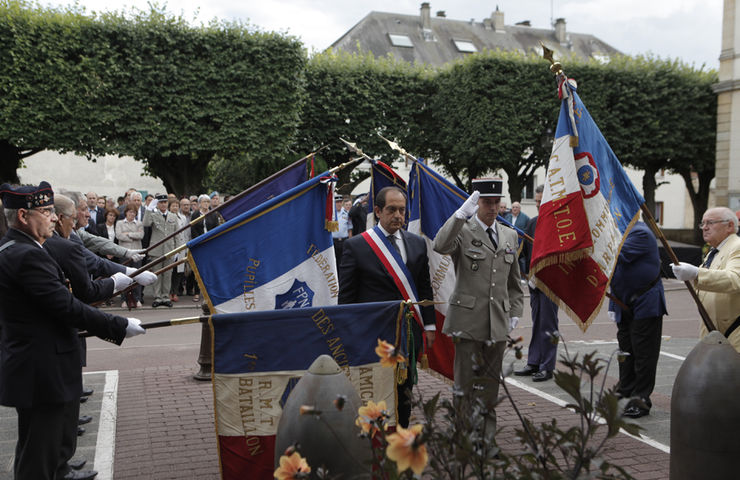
[588,207]
[278,255]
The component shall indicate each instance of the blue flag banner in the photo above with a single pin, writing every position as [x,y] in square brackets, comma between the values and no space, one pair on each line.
[381,176]
[277,255]
[259,356]
[293,176]
[588,207]
[432,199]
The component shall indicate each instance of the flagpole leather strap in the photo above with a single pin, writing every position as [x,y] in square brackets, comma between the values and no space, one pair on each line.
[735,325]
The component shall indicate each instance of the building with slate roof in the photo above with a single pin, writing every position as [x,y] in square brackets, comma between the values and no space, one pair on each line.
[437,40]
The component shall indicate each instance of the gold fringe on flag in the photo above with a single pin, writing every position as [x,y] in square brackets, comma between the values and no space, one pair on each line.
[331,225]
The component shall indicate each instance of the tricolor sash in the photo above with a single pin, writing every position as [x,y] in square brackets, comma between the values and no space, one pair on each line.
[393,263]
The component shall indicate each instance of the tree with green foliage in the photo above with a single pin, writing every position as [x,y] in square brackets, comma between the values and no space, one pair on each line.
[656,115]
[181,96]
[493,111]
[357,97]
[50,82]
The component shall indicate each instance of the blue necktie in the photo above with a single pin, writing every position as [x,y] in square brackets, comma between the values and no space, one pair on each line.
[710,257]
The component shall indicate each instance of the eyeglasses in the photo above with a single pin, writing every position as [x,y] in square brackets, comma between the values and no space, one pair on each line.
[46,211]
[711,222]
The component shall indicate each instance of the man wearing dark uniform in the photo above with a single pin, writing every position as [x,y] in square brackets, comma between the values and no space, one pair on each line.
[40,374]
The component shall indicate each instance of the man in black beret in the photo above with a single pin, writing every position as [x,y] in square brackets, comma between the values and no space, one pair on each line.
[40,374]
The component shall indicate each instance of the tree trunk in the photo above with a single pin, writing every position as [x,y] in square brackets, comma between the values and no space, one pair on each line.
[181,175]
[10,160]
[648,188]
[699,199]
[516,182]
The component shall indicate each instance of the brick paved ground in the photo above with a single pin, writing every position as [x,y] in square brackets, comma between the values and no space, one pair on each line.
[165,427]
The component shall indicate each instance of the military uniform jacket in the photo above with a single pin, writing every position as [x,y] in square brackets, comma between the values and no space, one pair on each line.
[718,288]
[487,288]
[39,352]
[161,228]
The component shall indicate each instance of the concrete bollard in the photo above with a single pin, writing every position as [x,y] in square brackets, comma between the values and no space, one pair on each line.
[331,438]
[705,419]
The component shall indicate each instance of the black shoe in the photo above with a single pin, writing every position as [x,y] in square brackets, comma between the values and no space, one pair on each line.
[83,399]
[633,411]
[80,430]
[80,475]
[167,303]
[77,464]
[86,392]
[156,303]
[526,371]
[542,376]
[84,419]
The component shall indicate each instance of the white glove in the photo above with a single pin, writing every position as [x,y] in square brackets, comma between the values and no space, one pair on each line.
[135,257]
[531,284]
[685,271]
[146,278]
[134,328]
[470,206]
[513,322]
[121,281]
[612,315]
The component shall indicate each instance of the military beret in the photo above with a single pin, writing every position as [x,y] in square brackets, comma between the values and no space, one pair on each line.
[28,196]
[489,187]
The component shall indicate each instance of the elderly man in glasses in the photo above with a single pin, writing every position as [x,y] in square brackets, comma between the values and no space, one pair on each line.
[717,280]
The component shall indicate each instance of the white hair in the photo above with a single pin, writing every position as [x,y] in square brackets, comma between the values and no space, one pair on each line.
[203,197]
[11,216]
[135,194]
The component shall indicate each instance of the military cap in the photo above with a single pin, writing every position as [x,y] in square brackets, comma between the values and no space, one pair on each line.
[28,196]
[489,187]
[161,197]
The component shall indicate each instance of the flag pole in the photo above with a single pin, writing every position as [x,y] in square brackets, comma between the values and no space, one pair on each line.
[659,233]
[164,323]
[233,199]
[557,69]
[134,285]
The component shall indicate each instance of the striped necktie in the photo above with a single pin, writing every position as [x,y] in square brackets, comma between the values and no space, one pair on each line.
[710,257]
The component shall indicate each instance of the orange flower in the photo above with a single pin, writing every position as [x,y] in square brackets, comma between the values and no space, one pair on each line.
[387,354]
[406,450]
[370,417]
[292,467]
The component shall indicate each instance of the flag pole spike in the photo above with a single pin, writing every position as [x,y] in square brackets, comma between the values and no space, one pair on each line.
[555,67]
[398,148]
[352,147]
[659,233]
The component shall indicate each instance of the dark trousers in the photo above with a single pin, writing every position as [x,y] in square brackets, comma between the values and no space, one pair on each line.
[41,429]
[191,285]
[641,339]
[542,353]
[338,248]
[69,438]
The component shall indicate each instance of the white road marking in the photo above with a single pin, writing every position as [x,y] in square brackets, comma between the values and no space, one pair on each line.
[647,440]
[106,444]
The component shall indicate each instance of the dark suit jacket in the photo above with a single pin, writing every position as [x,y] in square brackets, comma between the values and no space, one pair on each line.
[637,267]
[95,219]
[362,278]
[97,266]
[40,318]
[211,222]
[70,257]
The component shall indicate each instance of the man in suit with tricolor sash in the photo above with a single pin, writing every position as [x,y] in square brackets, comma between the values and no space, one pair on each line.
[388,263]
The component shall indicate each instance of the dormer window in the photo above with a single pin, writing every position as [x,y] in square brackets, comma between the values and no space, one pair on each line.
[400,40]
[465,46]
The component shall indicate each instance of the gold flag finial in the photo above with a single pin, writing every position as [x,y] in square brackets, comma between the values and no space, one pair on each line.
[547,54]
[398,148]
